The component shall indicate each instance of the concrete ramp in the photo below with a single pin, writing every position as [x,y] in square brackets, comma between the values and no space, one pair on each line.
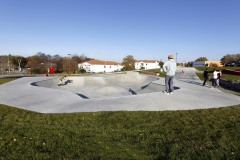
[113,85]
[139,95]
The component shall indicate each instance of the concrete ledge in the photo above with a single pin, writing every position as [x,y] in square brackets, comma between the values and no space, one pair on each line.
[150,73]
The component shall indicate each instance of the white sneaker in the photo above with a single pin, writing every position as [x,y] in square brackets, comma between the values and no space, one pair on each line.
[171,93]
[165,92]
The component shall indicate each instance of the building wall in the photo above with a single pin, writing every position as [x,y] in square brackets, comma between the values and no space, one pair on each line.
[199,64]
[96,68]
[139,65]
[206,63]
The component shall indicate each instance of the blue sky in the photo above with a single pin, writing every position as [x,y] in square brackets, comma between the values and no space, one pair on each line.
[113,29]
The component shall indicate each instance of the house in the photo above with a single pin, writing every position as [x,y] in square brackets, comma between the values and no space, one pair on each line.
[207,63]
[96,66]
[146,64]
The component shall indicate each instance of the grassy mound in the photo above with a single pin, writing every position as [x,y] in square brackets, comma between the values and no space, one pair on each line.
[197,134]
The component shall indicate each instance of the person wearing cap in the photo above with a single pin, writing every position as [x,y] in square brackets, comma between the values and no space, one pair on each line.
[170,68]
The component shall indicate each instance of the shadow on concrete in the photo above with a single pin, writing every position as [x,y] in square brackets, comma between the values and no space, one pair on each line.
[192,82]
[83,96]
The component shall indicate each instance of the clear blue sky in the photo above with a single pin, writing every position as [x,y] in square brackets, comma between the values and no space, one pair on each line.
[113,29]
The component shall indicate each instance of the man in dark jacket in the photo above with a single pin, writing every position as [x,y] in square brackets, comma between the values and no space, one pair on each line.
[205,75]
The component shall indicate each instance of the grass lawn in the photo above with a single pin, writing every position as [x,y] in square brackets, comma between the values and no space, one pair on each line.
[197,134]
[194,134]
[162,74]
[218,68]
[5,80]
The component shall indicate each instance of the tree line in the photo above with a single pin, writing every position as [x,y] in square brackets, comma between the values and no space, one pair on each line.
[225,59]
[40,62]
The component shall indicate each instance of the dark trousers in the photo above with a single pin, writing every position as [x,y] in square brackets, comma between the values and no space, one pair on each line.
[205,80]
[214,82]
[169,83]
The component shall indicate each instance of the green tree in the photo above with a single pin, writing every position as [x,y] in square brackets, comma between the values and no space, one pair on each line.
[16,60]
[202,59]
[230,57]
[128,63]
[161,63]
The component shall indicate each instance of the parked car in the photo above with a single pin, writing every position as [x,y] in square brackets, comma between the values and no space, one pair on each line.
[232,64]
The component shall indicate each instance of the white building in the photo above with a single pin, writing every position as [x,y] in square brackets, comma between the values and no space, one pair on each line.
[146,64]
[207,63]
[96,66]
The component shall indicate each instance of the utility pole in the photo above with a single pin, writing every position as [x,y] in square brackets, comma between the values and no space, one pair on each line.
[8,66]
[69,63]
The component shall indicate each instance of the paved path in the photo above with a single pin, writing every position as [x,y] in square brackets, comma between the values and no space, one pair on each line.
[191,95]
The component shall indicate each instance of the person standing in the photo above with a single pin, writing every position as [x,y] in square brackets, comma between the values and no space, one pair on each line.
[218,78]
[170,68]
[205,76]
[215,76]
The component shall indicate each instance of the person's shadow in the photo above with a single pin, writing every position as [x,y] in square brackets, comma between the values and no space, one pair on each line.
[192,82]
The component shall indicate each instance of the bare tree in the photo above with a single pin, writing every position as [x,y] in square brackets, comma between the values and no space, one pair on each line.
[38,63]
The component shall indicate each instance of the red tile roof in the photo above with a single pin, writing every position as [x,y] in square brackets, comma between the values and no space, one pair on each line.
[101,62]
[147,61]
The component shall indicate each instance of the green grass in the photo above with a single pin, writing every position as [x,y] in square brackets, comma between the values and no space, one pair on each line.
[5,80]
[197,134]
[162,74]
[224,76]
[218,68]
[227,77]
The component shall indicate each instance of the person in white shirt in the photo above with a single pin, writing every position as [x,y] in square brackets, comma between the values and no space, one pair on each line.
[215,77]
[170,68]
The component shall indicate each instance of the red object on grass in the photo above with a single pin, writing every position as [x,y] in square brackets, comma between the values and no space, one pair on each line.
[51,70]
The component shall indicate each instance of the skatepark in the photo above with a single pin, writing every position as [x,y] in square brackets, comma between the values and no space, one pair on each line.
[108,85]
[113,92]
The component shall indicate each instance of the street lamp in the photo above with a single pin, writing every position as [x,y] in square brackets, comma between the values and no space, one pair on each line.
[69,63]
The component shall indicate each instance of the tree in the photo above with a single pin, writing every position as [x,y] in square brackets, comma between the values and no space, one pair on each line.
[201,59]
[70,64]
[16,60]
[57,62]
[161,63]
[128,63]
[189,64]
[230,57]
[38,63]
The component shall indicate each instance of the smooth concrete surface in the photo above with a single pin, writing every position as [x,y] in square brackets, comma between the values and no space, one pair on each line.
[107,85]
[27,93]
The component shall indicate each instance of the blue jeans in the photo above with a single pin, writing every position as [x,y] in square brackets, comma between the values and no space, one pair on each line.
[169,83]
